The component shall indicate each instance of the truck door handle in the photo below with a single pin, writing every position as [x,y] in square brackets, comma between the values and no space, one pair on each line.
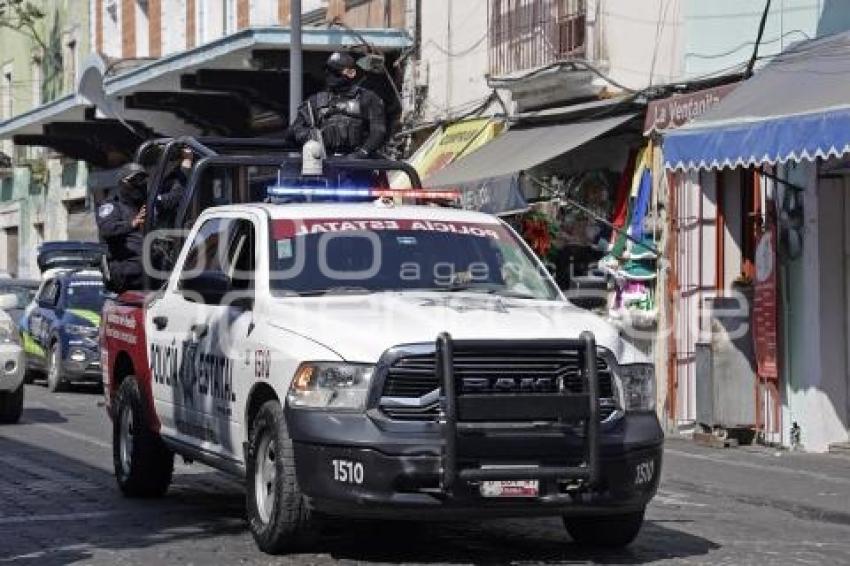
[160,322]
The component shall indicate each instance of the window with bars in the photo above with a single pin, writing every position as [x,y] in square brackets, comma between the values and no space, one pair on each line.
[525,34]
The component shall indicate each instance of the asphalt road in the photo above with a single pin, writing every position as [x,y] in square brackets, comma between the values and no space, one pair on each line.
[59,505]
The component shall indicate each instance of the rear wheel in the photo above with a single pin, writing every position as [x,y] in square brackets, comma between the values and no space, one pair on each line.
[143,464]
[612,531]
[54,369]
[12,405]
[277,511]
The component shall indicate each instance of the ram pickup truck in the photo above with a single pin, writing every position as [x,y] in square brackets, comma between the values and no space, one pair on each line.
[372,360]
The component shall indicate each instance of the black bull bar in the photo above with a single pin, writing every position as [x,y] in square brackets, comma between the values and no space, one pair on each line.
[486,414]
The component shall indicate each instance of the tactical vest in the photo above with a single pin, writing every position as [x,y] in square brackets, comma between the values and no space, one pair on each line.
[340,117]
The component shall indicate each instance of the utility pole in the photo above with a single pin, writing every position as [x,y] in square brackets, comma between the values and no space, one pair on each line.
[296,60]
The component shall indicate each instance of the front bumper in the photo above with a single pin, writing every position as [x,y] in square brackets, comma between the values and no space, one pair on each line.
[12,367]
[400,469]
[82,364]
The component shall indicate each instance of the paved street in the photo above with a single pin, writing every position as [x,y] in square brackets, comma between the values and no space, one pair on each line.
[59,505]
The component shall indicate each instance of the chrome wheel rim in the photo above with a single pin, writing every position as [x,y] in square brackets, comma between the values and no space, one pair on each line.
[53,370]
[125,440]
[265,474]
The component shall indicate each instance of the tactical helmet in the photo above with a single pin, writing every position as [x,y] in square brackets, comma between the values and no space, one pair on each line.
[133,175]
[339,61]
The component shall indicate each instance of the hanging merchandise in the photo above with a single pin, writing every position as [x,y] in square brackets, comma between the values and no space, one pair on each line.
[539,230]
[621,199]
[595,191]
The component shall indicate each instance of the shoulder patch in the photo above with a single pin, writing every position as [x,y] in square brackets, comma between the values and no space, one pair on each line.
[105,209]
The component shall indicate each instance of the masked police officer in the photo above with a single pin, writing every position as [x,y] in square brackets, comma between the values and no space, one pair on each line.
[351,118]
[168,202]
[120,220]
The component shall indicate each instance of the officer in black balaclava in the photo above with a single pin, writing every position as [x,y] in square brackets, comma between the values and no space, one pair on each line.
[120,220]
[177,180]
[351,118]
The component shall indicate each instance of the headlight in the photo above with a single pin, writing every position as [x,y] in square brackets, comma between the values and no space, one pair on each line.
[638,387]
[329,385]
[79,330]
[8,333]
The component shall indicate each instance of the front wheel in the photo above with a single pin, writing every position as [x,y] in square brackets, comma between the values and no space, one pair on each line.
[277,511]
[54,369]
[143,464]
[612,531]
[12,405]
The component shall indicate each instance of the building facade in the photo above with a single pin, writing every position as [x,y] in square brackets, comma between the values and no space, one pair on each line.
[43,196]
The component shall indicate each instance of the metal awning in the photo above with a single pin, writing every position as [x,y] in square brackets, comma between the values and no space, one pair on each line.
[796,108]
[183,93]
[520,149]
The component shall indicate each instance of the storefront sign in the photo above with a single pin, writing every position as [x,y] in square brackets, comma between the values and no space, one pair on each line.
[765,332]
[448,145]
[682,108]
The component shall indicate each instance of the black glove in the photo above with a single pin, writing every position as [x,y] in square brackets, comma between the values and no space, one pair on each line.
[358,154]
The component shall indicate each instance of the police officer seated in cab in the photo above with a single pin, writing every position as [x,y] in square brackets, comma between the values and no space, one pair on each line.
[120,221]
[350,118]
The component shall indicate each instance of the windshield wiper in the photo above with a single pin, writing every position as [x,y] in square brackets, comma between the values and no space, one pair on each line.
[341,290]
[484,288]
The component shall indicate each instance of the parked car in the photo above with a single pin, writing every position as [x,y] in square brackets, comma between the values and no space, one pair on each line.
[24,291]
[11,364]
[60,326]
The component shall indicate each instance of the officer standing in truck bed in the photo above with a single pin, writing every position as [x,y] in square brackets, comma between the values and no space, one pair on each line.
[351,118]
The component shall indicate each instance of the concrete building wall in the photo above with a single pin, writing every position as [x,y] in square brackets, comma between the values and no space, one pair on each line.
[720,35]
[815,371]
[33,204]
[637,43]
[453,61]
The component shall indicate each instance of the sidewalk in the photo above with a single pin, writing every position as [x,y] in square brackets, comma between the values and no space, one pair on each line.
[810,486]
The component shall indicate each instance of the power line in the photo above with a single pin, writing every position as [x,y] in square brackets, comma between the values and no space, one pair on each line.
[460,53]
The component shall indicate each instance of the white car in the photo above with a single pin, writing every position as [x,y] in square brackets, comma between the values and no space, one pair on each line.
[363,360]
[12,365]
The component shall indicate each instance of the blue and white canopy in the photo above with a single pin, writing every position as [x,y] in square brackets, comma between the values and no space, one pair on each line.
[796,108]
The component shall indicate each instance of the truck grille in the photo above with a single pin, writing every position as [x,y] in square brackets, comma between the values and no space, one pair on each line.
[515,371]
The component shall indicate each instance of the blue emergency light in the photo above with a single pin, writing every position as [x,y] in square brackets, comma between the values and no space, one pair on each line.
[353,192]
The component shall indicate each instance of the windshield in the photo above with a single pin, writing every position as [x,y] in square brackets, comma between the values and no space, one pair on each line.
[86,295]
[318,256]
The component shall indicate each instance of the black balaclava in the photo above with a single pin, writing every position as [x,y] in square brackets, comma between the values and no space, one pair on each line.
[132,194]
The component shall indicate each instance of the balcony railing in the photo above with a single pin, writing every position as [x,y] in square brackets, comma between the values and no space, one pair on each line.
[525,34]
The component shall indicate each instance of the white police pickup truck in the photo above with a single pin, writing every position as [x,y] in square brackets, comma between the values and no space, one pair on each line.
[371,360]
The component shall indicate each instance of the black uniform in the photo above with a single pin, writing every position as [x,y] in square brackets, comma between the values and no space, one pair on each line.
[169,201]
[351,118]
[124,242]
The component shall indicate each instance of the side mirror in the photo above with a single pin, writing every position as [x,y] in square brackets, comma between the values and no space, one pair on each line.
[8,301]
[208,286]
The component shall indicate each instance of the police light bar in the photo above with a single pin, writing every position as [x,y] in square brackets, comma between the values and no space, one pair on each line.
[279,191]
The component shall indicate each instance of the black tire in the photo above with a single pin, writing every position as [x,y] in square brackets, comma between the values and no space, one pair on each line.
[612,531]
[145,469]
[12,405]
[286,524]
[30,376]
[55,383]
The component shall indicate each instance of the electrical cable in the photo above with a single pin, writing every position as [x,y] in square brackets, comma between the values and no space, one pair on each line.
[566,63]
[749,72]
[460,53]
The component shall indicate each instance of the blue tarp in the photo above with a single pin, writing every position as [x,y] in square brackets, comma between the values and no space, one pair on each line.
[796,108]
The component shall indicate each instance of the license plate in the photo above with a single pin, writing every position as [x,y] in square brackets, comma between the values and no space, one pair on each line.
[522,488]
